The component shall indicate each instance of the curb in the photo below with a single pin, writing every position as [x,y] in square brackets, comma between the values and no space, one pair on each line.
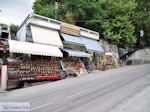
[3,91]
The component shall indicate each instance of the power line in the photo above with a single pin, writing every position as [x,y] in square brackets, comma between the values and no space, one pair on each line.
[133,17]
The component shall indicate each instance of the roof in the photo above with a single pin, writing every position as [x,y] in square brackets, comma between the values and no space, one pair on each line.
[53,21]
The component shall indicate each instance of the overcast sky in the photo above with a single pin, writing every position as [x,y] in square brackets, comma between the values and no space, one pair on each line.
[15,11]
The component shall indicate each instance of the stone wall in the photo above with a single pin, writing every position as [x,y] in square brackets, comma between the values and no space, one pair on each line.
[140,56]
[107,47]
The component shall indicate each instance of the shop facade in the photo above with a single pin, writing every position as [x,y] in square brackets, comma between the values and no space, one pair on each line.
[74,50]
[39,43]
[90,40]
[49,47]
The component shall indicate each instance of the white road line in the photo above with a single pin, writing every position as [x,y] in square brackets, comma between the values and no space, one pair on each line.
[79,93]
[88,90]
[42,106]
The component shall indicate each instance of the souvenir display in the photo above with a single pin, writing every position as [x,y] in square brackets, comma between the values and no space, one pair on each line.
[73,65]
[30,70]
[92,66]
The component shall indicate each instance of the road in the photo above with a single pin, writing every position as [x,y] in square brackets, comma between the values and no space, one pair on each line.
[124,89]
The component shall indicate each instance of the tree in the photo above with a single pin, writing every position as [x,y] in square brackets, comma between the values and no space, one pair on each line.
[13,30]
[44,8]
[141,20]
[86,13]
[118,27]
[120,31]
[79,12]
[111,18]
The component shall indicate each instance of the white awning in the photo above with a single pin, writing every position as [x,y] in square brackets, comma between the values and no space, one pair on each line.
[45,36]
[34,48]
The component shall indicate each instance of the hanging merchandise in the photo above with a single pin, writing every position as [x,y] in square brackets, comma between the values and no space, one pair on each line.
[34,70]
[98,62]
[73,65]
[108,60]
[92,65]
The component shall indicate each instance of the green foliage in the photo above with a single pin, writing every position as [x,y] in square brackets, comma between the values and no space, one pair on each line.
[87,13]
[118,27]
[44,8]
[13,30]
[141,21]
[80,12]
[119,21]
[120,31]
[120,7]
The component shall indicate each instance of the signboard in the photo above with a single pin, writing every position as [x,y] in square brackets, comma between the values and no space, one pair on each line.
[109,59]
[70,29]
[90,34]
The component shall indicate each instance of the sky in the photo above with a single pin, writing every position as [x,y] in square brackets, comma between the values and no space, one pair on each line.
[15,11]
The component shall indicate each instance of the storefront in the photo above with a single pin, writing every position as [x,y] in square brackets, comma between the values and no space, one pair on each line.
[72,61]
[108,59]
[90,40]
[39,43]
[39,65]
[74,50]
[46,43]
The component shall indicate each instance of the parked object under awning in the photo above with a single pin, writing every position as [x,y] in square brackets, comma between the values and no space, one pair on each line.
[34,48]
[45,36]
[92,45]
[76,53]
[72,39]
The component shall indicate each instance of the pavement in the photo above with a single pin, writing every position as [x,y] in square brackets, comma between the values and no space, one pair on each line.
[124,89]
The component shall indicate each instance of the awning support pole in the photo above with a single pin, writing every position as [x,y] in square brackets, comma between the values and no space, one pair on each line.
[4,77]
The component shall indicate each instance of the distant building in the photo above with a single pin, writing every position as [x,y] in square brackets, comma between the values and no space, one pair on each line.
[4,32]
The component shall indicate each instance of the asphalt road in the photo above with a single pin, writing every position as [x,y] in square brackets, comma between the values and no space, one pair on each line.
[103,91]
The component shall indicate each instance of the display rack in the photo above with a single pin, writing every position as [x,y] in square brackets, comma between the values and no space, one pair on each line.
[73,65]
[33,70]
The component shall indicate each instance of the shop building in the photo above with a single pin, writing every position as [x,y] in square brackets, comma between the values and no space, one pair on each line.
[4,36]
[48,47]
[38,38]
[74,50]
[90,40]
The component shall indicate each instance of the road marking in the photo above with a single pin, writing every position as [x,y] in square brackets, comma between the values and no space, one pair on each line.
[88,90]
[42,106]
[79,93]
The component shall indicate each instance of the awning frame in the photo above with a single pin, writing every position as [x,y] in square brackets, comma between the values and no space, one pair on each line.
[70,39]
[76,53]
